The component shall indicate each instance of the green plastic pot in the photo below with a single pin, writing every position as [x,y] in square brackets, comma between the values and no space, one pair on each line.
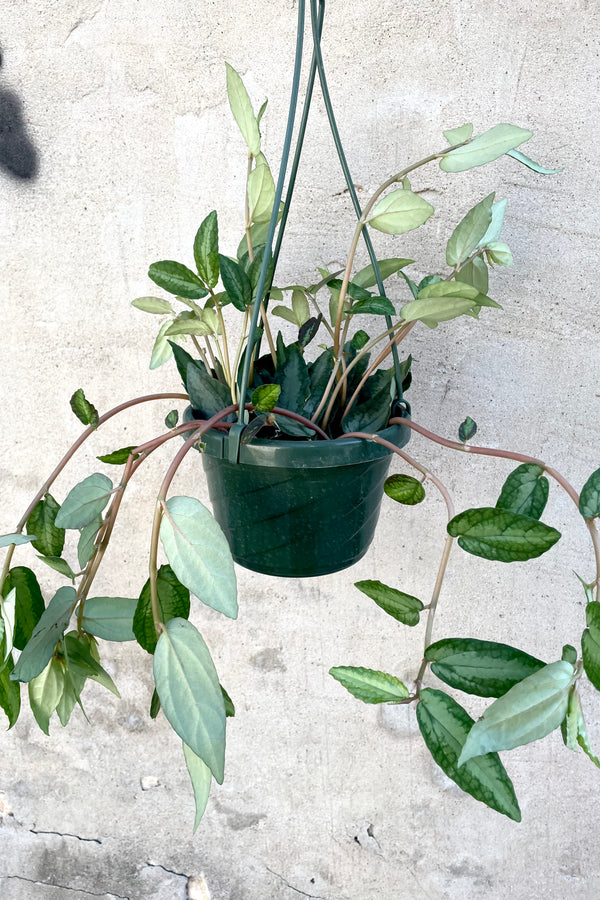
[298,508]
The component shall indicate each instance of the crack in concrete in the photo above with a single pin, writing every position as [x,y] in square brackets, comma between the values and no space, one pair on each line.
[292,888]
[67,835]
[164,868]
[64,887]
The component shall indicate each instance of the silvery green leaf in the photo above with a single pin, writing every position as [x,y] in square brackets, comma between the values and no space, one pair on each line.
[45,691]
[499,253]
[49,630]
[86,544]
[110,618]
[441,302]
[241,107]
[399,212]
[495,226]
[59,565]
[485,148]
[500,534]
[189,324]
[460,134]
[483,668]
[261,193]
[536,167]
[161,350]
[403,607]
[7,539]
[199,554]
[474,272]
[8,621]
[589,499]
[525,491]
[156,305]
[365,278]
[369,685]
[582,739]
[190,694]
[201,778]
[527,712]
[590,643]
[469,231]
[300,307]
[84,503]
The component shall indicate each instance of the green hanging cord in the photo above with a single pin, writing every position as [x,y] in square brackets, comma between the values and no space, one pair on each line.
[348,177]
[260,289]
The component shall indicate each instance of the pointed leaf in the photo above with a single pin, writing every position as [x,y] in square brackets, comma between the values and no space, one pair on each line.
[293,377]
[80,659]
[402,607]
[589,499]
[206,250]
[498,253]
[265,397]
[49,630]
[229,707]
[45,692]
[300,308]
[83,409]
[156,305]
[570,722]
[369,685]
[110,618]
[475,273]
[190,694]
[10,693]
[467,429]
[117,458]
[399,212]
[29,603]
[374,306]
[236,282]
[190,323]
[484,668]
[495,227]
[173,602]
[86,545]
[261,193]
[502,535]
[177,279]
[485,148]
[199,554]
[365,278]
[161,351]
[241,107]
[85,502]
[590,644]
[536,167]
[582,739]
[470,230]
[525,491]
[201,778]
[7,539]
[8,623]
[41,523]
[404,489]
[445,725]
[373,412]
[59,565]
[207,395]
[458,135]
[527,712]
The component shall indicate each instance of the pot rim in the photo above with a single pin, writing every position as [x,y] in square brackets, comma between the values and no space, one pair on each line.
[307,454]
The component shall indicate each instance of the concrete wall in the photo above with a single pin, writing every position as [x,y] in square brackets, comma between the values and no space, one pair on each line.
[129,144]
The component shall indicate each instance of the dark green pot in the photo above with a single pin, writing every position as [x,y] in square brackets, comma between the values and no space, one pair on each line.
[298,508]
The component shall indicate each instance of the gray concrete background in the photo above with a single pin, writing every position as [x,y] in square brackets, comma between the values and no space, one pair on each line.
[324,797]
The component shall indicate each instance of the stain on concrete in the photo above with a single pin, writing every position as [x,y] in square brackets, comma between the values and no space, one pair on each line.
[268,660]
[18,155]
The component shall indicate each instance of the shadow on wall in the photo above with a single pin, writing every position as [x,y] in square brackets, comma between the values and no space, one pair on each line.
[18,156]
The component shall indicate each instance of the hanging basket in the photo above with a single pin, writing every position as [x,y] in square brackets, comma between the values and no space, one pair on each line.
[298,508]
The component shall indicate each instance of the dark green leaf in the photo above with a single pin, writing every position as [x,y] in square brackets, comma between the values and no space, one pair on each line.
[255,426]
[206,250]
[589,499]
[118,457]
[83,409]
[183,359]
[541,170]
[207,395]
[172,418]
[229,707]
[154,705]
[413,287]
[372,411]
[199,554]
[190,694]
[177,279]
[264,398]
[295,390]
[369,685]
[402,607]
[37,653]
[354,291]
[525,491]
[467,429]
[484,668]
[374,306]
[445,725]
[309,330]
[10,693]
[568,726]
[236,282]
[582,739]
[319,373]
[50,540]
[173,602]
[404,489]
[29,603]
[79,654]
[527,712]
[85,502]
[502,535]
[59,565]
[569,654]
[360,340]
[590,644]
[254,271]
